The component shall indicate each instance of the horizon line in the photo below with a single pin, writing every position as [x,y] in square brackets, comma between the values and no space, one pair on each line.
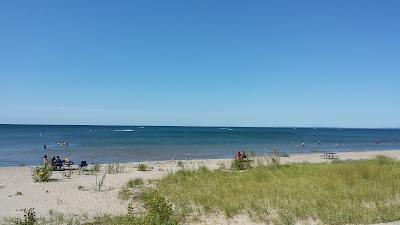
[216,126]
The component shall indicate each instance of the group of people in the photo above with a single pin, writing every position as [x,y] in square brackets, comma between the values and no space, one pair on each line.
[241,155]
[56,162]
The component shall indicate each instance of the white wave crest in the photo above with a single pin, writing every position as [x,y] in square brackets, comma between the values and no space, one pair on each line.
[125,130]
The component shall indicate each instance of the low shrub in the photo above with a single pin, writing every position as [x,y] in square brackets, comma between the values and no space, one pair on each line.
[134,182]
[41,174]
[29,218]
[285,155]
[142,167]
[240,164]
[158,209]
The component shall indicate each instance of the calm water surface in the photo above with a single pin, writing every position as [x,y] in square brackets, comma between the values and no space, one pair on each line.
[23,144]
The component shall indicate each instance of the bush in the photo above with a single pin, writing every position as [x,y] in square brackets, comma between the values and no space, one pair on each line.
[274,158]
[285,155]
[240,164]
[142,167]
[134,182]
[41,174]
[158,209]
[29,218]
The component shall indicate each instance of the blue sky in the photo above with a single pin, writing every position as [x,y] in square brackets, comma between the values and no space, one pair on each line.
[221,63]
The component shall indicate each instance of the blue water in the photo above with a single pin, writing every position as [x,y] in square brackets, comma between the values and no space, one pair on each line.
[23,144]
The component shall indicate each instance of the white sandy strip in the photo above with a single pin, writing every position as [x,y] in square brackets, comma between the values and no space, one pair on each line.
[62,195]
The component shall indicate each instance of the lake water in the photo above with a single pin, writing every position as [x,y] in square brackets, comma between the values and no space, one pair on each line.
[23,144]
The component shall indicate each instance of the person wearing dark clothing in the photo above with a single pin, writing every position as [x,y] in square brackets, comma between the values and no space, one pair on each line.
[58,163]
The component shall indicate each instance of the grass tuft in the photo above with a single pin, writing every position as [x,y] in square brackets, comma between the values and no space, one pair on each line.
[143,167]
[135,182]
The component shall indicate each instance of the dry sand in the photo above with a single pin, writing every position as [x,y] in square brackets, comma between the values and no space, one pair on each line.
[63,195]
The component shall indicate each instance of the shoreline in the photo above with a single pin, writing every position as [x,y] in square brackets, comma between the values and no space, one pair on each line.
[341,152]
[76,196]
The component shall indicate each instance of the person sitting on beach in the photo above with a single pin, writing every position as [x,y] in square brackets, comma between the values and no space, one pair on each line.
[53,160]
[57,163]
[238,155]
[244,155]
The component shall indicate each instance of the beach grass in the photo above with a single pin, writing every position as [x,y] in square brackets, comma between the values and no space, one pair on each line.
[343,192]
[143,167]
[340,192]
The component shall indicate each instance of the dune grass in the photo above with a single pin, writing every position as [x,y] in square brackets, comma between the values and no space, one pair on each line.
[350,192]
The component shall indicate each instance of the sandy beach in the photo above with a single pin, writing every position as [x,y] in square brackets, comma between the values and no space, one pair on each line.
[76,195]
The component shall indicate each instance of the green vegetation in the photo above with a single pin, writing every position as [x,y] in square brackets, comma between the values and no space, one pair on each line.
[29,218]
[95,168]
[240,164]
[41,174]
[143,167]
[158,212]
[134,182]
[113,168]
[274,159]
[221,165]
[285,155]
[341,192]
[250,153]
[344,192]
[99,183]
[124,193]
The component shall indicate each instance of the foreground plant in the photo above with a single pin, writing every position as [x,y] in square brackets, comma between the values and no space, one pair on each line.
[41,173]
[29,218]
[143,167]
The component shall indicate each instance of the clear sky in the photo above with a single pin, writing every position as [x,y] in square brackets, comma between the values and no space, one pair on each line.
[221,63]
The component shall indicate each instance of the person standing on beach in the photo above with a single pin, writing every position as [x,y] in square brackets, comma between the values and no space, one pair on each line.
[45,160]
